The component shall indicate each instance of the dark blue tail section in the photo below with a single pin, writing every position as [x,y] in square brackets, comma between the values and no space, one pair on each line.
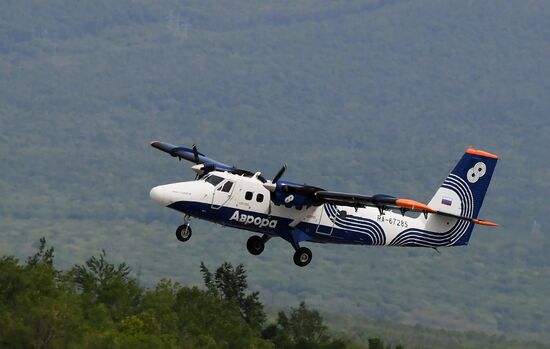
[463,191]
[475,169]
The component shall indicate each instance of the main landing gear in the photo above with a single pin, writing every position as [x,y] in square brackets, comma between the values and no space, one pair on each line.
[302,256]
[256,244]
[184,232]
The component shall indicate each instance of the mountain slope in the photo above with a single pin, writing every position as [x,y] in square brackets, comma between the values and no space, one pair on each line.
[377,96]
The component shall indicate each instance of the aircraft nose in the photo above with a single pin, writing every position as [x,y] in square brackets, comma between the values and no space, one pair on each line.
[160,195]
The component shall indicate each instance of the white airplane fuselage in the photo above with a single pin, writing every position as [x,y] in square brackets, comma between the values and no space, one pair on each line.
[243,202]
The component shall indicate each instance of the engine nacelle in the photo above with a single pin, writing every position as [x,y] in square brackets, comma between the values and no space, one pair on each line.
[288,193]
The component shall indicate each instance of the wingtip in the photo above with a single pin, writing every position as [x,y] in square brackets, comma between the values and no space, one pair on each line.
[152,142]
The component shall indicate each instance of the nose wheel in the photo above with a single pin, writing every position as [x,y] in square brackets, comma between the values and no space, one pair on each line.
[302,256]
[183,233]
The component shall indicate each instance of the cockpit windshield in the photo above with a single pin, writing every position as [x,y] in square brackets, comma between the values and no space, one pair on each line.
[214,180]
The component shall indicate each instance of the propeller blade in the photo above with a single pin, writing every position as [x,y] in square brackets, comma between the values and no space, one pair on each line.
[195,154]
[279,174]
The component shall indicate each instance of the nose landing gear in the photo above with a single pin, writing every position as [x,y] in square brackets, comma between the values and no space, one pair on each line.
[184,232]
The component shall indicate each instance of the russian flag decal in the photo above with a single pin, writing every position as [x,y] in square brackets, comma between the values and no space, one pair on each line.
[447,201]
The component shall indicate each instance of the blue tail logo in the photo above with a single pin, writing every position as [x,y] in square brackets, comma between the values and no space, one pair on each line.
[463,191]
[471,178]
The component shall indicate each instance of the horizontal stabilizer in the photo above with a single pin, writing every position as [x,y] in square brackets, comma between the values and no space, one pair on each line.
[487,223]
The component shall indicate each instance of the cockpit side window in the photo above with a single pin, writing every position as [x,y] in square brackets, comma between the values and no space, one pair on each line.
[227,186]
[214,180]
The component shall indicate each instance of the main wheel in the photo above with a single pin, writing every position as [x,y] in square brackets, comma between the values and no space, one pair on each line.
[302,256]
[183,233]
[255,245]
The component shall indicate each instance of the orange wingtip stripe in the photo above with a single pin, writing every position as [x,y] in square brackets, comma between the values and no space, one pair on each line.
[413,205]
[487,223]
[153,142]
[481,153]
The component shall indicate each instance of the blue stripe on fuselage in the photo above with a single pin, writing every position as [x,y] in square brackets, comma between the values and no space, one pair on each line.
[223,216]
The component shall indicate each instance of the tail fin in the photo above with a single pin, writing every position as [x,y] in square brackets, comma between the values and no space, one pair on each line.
[463,191]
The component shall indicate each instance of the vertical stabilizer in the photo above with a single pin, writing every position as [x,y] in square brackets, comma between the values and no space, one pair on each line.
[463,191]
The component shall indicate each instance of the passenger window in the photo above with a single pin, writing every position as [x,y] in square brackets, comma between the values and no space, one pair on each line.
[227,186]
[260,197]
[248,195]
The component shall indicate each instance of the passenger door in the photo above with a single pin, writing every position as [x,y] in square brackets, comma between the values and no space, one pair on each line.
[222,194]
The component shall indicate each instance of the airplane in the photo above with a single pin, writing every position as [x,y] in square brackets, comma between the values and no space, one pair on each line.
[299,213]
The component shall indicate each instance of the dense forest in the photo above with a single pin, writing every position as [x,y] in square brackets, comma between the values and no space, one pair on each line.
[374,96]
[97,304]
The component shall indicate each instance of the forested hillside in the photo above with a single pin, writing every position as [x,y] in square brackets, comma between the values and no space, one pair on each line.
[97,304]
[362,96]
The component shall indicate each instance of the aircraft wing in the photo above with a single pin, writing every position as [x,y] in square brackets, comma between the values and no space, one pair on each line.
[189,154]
[384,201]
[379,200]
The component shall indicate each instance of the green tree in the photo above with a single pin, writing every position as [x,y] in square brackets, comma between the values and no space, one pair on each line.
[230,283]
[102,282]
[206,321]
[376,343]
[302,328]
[36,309]
[42,256]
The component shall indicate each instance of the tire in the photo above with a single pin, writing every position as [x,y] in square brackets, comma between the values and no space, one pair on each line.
[255,245]
[184,232]
[302,256]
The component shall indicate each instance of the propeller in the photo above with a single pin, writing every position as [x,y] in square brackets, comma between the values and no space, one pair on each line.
[198,168]
[195,154]
[272,185]
[279,174]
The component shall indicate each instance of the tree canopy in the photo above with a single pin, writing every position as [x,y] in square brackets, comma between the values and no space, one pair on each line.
[98,305]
